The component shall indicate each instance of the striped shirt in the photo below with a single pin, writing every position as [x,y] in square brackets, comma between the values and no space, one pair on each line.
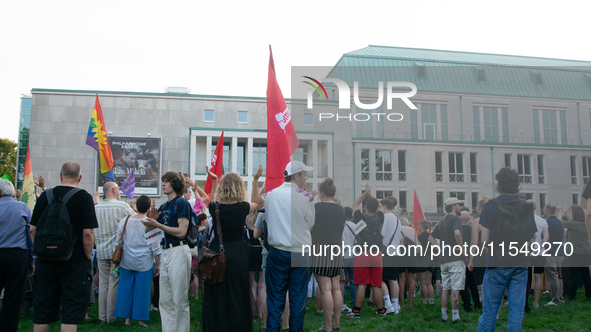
[108,214]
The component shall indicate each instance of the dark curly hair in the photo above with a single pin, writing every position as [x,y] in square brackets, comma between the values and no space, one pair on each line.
[507,181]
[174,178]
[143,204]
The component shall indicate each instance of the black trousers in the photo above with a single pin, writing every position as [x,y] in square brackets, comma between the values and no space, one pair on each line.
[470,284]
[579,263]
[13,276]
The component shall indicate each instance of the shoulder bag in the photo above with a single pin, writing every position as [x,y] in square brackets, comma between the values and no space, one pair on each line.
[119,249]
[211,266]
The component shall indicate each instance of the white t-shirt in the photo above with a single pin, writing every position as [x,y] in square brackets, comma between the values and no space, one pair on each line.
[541,223]
[390,223]
[138,255]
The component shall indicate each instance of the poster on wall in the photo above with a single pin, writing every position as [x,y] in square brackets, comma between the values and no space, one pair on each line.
[143,156]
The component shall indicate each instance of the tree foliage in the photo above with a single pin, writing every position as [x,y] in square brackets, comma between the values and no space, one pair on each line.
[8,153]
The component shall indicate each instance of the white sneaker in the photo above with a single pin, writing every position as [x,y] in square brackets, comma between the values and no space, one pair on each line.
[390,310]
[551,303]
[397,310]
[346,309]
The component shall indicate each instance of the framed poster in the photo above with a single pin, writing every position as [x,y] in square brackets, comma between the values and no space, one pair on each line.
[141,154]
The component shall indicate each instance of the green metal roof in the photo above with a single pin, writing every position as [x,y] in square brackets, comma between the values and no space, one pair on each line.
[457,72]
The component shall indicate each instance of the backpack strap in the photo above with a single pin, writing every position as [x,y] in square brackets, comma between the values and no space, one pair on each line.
[49,195]
[69,195]
[396,230]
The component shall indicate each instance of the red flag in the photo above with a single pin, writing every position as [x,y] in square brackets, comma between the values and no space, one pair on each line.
[417,212]
[217,164]
[282,140]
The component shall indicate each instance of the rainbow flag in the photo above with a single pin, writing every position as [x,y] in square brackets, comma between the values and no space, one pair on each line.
[97,138]
[28,197]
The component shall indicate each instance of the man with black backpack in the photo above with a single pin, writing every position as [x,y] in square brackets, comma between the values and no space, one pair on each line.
[62,231]
[173,217]
[368,265]
[507,222]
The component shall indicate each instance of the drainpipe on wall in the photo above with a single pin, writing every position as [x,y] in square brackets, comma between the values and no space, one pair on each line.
[492,170]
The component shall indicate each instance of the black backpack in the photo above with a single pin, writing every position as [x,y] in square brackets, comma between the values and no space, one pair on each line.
[512,224]
[372,234]
[192,236]
[54,236]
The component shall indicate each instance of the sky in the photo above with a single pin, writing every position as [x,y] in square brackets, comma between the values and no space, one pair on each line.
[222,47]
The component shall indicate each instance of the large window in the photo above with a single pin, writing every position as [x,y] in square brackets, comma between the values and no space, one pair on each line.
[439,196]
[458,194]
[456,167]
[491,124]
[575,198]
[474,203]
[586,169]
[383,165]
[573,170]
[259,157]
[542,203]
[381,194]
[402,200]
[524,168]
[473,168]
[364,164]
[507,160]
[438,167]
[226,159]
[541,173]
[401,165]
[550,127]
[432,123]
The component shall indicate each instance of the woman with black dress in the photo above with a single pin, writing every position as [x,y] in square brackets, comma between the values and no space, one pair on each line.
[226,306]
[328,230]
[255,262]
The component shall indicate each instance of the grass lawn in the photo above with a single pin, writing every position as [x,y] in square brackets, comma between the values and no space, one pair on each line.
[572,316]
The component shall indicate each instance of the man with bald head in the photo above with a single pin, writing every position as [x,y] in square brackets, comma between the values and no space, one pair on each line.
[65,284]
[108,213]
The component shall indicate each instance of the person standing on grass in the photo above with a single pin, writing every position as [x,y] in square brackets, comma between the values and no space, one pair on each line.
[137,266]
[407,269]
[65,284]
[453,268]
[498,277]
[425,272]
[368,265]
[392,235]
[470,283]
[108,214]
[173,217]
[327,231]
[348,260]
[580,260]
[554,262]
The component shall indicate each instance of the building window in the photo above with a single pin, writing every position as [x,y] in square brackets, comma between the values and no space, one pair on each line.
[456,167]
[439,202]
[507,160]
[529,196]
[438,167]
[474,203]
[301,154]
[259,157]
[542,203]
[432,124]
[381,194]
[401,165]
[541,176]
[242,117]
[364,164]
[573,170]
[208,116]
[524,168]
[308,119]
[383,165]
[402,200]
[226,158]
[586,169]
[473,168]
[494,122]
[551,128]
[575,199]
[364,122]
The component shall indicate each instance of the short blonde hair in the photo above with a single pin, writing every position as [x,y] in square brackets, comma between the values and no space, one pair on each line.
[405,222]
[231,188]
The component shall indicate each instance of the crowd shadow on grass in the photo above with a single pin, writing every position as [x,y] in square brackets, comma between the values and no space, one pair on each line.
[572,316]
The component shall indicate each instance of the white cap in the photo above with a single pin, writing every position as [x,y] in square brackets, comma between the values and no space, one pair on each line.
[297,166]
[452,201]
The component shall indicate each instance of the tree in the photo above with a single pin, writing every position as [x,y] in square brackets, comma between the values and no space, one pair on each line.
[8,152]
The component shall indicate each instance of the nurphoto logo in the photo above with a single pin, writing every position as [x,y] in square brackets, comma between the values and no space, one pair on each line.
[345,98]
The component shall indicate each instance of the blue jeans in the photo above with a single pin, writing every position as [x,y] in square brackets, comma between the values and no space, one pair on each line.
[496,280]
[353,287]
[286,271]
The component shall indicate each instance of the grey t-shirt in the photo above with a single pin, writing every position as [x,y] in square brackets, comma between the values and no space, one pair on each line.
[577,235]
[260,224]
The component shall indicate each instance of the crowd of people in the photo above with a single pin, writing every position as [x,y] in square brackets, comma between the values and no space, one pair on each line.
[274,244]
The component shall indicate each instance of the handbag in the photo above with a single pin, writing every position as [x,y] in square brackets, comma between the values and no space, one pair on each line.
[119,249]
[211,266]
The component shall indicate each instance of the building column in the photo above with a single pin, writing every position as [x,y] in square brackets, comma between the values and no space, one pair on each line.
[208,151]
[315,164]
[192,155]
[329,156]
[249,156]
[234,155]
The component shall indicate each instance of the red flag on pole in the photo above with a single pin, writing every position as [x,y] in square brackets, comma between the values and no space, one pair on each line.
[417,211]
[282,140]
[217,164]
